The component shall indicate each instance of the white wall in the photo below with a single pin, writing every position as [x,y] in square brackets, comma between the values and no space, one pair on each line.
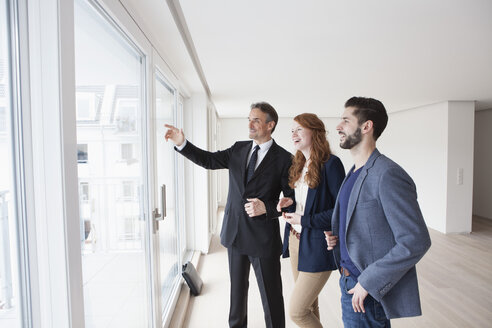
[212,174]
[431,143]
[196,177]
[461,125]
[482,186]
[416,139]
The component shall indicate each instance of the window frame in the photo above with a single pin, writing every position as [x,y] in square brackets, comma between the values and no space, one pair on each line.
[20,136]
[161,72]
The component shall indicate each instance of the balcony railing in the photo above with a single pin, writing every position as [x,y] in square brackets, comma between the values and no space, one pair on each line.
[110,216]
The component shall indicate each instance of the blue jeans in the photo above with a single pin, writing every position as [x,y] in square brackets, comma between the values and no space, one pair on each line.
[374,316]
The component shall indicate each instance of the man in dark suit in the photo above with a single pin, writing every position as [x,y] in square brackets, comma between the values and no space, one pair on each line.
[258,172]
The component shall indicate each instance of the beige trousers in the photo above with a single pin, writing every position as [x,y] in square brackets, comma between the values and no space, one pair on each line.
[303,308]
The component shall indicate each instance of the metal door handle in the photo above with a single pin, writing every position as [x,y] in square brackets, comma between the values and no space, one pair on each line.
[163,201]
[155,213]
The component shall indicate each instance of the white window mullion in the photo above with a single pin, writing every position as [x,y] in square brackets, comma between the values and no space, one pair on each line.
[19,193]
[55,157]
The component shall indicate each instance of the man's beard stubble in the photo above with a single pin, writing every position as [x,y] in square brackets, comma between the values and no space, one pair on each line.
[352,140]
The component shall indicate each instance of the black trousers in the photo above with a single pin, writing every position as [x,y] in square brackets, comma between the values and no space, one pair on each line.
[267,271]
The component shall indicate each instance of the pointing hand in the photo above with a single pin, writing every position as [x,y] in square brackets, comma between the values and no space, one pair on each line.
[175,134]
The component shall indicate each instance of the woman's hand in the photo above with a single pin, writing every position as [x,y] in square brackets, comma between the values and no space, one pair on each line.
[284,202]
[331,240]
[292,218]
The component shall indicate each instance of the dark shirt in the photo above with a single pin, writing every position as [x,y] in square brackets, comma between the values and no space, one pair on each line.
[344,196]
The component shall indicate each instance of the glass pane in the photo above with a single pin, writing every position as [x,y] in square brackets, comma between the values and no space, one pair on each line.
[10,313]
[168,250]
[109,83]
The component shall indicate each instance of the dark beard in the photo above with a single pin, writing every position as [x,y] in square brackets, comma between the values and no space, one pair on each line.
[352,140]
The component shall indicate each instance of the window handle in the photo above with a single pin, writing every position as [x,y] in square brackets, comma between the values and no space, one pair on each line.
[156,214]
[163,201]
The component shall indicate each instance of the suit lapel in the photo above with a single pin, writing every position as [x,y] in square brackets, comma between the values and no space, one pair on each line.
[244,159]
[311,196]
[336,209]
[354,195]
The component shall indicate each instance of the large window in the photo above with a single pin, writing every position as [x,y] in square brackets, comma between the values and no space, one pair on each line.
[130,273]
[11,299]
[110,106]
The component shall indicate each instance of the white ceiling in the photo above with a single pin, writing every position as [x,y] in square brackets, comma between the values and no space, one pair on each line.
[155,20]
[310,56]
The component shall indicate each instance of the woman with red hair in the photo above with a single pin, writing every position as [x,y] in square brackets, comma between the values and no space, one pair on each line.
[316,175]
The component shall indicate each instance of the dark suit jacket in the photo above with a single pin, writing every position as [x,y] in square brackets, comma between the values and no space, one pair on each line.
[258,236]
[386,235]
[313,255]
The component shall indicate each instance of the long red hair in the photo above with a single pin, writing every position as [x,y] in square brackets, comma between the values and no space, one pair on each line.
[320,152]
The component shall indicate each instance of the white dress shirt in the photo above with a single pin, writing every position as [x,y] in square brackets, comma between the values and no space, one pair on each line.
[301,191]
[180,148]
[264,147]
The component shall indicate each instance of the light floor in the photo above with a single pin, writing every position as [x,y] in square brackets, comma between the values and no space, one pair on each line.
[455,279]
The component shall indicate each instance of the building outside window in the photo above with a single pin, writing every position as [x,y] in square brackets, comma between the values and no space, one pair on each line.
[128,190]
[86,106]
[84,191]
[125,113]
[82,155]
[128,229]
[127,152]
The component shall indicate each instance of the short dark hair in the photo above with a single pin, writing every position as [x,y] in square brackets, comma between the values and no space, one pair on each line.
[269,110]
[369,109]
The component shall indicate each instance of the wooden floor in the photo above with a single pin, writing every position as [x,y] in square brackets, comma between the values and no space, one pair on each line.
[455,279]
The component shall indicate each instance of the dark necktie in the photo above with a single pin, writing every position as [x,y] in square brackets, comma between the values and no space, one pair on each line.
[252,164]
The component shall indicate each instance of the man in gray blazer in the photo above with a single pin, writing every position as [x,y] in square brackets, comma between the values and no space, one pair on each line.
[379,233]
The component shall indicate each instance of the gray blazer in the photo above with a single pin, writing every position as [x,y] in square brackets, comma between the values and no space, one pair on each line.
[386,235]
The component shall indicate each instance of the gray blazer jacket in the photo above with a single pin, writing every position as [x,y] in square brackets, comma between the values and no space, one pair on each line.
[386,235]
